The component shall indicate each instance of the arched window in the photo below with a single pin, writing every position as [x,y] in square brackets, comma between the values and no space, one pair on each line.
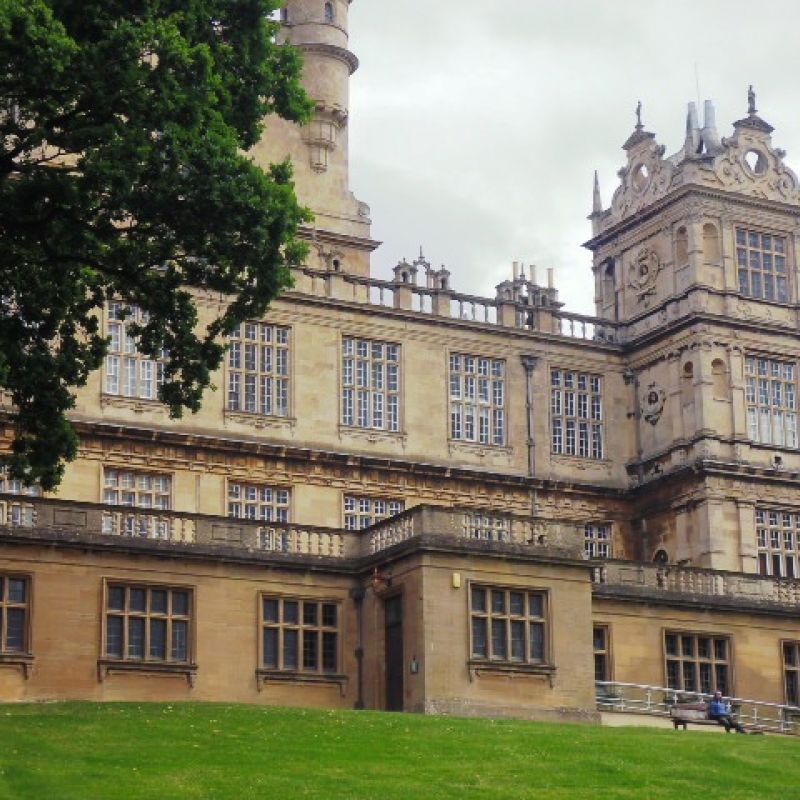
[330,14]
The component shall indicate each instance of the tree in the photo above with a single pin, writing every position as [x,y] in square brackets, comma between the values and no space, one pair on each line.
[123,174]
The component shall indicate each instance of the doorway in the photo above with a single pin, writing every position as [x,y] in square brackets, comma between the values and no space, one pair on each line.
[393,617]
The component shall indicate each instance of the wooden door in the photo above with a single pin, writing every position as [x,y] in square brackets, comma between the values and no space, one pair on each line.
[393,615]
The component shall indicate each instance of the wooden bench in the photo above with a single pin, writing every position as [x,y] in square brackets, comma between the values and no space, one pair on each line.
[696,713]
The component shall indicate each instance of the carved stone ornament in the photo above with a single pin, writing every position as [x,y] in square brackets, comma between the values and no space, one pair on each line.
[653,403]
[643,273]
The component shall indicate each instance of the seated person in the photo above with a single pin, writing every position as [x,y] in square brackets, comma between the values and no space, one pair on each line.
[720,710]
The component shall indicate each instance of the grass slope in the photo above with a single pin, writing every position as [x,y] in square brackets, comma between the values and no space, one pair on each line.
[80,751]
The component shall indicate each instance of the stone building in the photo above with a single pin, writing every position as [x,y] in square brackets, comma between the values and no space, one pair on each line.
[406,497]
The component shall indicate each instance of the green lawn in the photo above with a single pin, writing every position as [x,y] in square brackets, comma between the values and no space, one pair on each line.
[81,751]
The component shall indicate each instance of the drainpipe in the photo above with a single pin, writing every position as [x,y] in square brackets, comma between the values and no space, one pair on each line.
[632,379]
[358,598]
[529,363]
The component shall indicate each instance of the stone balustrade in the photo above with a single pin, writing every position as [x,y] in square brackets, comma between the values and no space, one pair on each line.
[515,311]
[492,529]
[692,582]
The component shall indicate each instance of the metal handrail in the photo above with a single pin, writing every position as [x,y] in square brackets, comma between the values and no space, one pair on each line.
[638,698]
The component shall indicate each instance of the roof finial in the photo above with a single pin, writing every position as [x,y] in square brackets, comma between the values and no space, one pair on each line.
[639,125]
[751,101]
[597,201]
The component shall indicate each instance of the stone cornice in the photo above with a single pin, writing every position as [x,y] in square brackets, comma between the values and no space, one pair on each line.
[342,240]
[679,194]
[331,50]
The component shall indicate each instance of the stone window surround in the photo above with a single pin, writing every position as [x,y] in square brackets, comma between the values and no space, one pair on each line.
[492,440]
[711,660]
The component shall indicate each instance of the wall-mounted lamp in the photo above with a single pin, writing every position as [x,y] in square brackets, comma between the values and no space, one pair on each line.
[380,581]
[413,667]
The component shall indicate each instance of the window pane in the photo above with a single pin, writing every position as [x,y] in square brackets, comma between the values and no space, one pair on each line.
[310,613]
[537,641]
[600,672]
[116,598]
[792,688]
[138,600]
[290,642]
[479,600]
[517,640]
[158,639]
[15,630]
[135,637]
[599,638]
[517,603]
[499,646]
[271,648]
[689,681]
[329,652]
[722,678]
[721,649]
[498,602]
[673,674]
[310,650]
[479,645]
[270,609]
[290,611]
[114,637]
[180,640]
[180,603]
[158,601]
[329,615]
[536,605]
[16,590]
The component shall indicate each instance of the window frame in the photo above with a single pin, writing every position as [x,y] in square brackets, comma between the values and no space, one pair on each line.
[300,673]
[147,663]
[508,664]
[461,402]
[26,653]
[768,556]
[696,659]
[598,541]
[559,420]
[259,374]
[372,499]
[607,653]
[353,426]
[784,236]
[754,431]
[786,668]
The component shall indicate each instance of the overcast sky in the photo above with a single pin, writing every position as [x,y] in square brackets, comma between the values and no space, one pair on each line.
[476,126]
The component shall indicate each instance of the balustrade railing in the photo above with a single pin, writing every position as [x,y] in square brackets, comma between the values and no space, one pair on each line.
[698,581]
[455,305]
[636,698]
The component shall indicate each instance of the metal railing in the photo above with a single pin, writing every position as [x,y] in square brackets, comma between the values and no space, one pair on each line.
[637,698]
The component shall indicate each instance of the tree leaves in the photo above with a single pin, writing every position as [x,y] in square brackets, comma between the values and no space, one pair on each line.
[123,175]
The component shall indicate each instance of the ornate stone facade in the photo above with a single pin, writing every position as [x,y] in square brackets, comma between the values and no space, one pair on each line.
[508,440]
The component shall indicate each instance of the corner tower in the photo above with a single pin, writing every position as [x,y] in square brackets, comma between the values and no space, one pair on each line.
[340,233]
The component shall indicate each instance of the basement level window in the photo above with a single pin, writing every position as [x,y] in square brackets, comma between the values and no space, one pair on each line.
[508,625]
[147,624]
[300,635]
[696,662]
[14,613]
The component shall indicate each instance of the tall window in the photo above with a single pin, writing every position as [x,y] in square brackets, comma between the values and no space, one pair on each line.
[251,501]
[370,384]
[145,491]
[761,258]
[258,370]
[129,373]
[148,623]
[771,394]
[697,662]
[778,538]
[299,635]
[597,540]
[791,672]
[14,609]
[508,625]
[601,645]
[576,407]
[361,512]
[330,14]
[477,399]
